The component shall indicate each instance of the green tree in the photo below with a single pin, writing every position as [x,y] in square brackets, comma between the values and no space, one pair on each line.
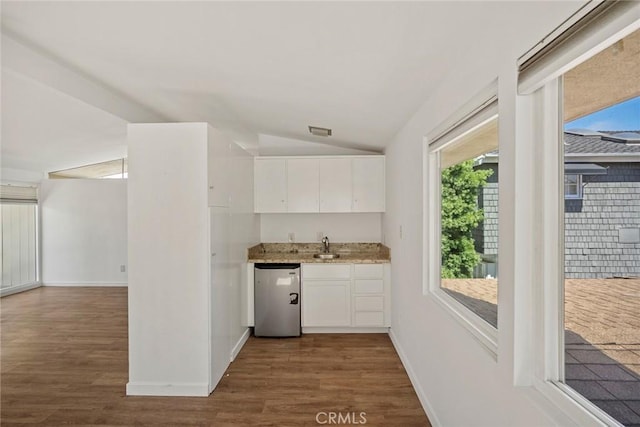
[460,215]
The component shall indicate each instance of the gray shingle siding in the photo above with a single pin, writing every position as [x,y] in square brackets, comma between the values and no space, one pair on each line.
[609,202]
[592,224]
[486,234]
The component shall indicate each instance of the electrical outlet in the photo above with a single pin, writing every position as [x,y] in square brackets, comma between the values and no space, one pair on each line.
[319,236]
[292,237]
[123,268]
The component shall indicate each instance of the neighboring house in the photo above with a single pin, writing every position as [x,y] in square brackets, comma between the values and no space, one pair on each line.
[602,206]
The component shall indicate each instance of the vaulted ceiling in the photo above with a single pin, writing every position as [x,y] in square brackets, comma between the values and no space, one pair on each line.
[74,73]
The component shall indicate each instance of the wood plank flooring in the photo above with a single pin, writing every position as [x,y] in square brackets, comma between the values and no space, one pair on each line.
[63,361]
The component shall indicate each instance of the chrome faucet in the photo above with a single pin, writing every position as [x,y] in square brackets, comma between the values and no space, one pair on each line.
[325,243]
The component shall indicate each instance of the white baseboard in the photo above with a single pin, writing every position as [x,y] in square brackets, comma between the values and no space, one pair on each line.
[236,348]
[20,288]
[428,409]
[87,284]
[345,330]
[164,389]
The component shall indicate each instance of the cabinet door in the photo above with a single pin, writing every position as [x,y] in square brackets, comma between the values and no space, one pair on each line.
[326,303]
[218,167]
[270,183]
[368,184]
[335,185]
[302,185]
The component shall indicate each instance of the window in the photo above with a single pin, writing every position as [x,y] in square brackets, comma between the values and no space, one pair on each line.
[582,311]
[112,169]
[572,186]
[601,272]
[19,241]
[469,224]
[462,217]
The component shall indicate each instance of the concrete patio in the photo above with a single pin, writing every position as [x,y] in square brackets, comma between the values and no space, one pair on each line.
[602,337]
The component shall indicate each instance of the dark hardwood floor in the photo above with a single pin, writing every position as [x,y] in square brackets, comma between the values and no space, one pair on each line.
[64,362]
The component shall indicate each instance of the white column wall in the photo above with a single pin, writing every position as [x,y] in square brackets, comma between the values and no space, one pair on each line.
[186,311]
[168,260]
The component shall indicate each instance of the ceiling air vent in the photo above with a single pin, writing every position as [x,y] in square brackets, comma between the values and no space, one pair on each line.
[319,131]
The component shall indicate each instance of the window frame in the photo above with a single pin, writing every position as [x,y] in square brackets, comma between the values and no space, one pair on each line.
[578,194]
[479,111]
[539,297]
[10,290]
[545,371]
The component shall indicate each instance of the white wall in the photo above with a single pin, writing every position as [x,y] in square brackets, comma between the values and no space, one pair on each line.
[339,227]
[84,231]
[20,176]
[271,145]
[459,382]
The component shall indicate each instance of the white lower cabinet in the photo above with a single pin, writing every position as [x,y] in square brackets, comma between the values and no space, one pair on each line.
[369,303]
[345,295]
[371,295]
[369,318]
[326,295]
[326,303]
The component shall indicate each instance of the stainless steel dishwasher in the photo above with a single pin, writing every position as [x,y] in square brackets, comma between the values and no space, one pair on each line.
[277,300]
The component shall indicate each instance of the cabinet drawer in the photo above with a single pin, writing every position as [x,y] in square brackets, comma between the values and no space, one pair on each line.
[333,271]
[369,286]
[369,304]
[369,318]
[369,271]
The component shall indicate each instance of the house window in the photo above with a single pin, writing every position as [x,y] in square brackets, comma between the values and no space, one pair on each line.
[112,169]
[581,307]
[600,272]
[19,238]
[572,186]
[462,218]
[469,224]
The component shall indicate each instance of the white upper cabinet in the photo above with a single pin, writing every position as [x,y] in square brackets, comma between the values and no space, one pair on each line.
[368,184]
[218,151]
[335,185]
[319,184]
[270,183]
[302,185]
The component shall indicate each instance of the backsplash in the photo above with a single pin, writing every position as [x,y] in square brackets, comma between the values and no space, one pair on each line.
[347,227]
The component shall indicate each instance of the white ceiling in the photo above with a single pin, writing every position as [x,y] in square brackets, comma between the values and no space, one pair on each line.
[46,130]
[250,68]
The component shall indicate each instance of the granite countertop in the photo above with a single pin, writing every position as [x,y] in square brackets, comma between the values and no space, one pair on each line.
[358,253]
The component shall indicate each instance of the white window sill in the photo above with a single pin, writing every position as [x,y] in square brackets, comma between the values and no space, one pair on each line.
[482,331]
[574,405]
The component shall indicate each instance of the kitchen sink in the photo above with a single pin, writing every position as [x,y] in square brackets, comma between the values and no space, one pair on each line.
[326,256]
